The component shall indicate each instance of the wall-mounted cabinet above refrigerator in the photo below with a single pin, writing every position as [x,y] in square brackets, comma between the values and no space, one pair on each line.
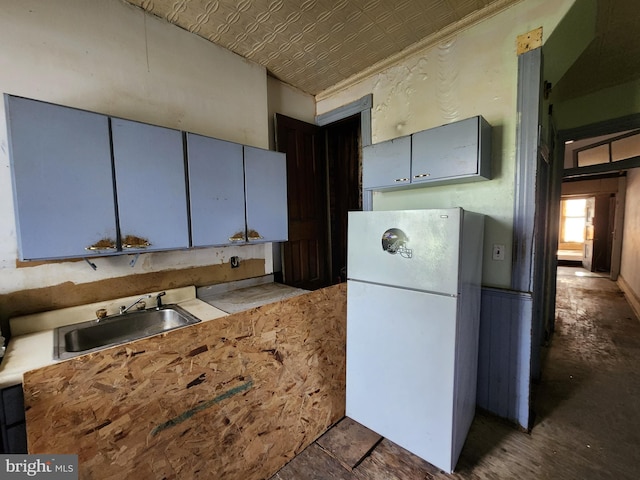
[457,152]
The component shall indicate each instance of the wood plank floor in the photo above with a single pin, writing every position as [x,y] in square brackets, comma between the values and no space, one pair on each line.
[586,408]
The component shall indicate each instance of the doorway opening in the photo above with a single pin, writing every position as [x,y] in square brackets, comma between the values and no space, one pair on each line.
[573,226]
[324,183]
[344,178]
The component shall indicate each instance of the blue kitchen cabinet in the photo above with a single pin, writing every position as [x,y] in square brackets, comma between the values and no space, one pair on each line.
[87,185]
[150,186]
[265,179]
[63,188]
[387,163]
[457,152]
[452,153]
[216,191]
[238,194]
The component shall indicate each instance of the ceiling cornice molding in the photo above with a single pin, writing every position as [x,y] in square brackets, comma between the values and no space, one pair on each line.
[428,42]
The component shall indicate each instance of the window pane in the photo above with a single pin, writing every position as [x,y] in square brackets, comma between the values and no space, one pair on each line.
[575,207]
[628,147]
[594,156]
[574,230]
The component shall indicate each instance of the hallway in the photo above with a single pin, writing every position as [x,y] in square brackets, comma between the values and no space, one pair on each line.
[586,414]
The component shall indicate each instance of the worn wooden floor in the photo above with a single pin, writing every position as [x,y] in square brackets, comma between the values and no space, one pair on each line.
[586,407]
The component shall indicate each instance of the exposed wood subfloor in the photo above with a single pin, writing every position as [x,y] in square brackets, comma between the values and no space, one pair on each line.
[586,408]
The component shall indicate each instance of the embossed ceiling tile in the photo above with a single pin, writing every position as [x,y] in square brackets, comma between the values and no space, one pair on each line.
[313,44]
[416,20]
[283,32]
[246,31]
[191,15]
[441,13]
[462,8]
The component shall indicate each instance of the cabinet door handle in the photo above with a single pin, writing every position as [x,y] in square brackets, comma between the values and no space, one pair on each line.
[106,244]
[131,241]
[401,179]
[136,245]
[237,237]
[422,175]
[254,235]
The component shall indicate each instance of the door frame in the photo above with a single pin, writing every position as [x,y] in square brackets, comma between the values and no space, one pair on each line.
[606,127]
[360,106]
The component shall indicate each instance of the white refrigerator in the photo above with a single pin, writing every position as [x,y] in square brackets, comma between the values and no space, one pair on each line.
[413,308]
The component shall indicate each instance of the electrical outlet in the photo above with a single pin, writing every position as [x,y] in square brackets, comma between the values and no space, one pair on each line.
[498,252]
[235,262]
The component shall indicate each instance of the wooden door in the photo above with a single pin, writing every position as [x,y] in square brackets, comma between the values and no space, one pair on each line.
[603,228]
[587,254]
[305,256]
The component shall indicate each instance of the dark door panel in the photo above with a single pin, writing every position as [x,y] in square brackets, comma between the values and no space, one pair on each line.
[306,254]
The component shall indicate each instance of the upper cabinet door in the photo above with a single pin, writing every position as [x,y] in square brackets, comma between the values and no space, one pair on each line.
[216,191]
[449,151]
[266,195]
[150,186]
[387,163]
[63,186]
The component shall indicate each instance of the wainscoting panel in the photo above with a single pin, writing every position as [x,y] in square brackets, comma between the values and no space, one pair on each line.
[504,363]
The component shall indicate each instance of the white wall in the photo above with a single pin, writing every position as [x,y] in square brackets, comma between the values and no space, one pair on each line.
[288,101]
[109,57]
[630,267]
[471,73]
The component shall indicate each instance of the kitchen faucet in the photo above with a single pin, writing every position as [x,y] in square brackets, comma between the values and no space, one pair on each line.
[159,300]
[124,309]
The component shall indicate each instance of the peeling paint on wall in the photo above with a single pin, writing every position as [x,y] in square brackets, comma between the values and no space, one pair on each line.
[471,73]
[395,90]
[448,71]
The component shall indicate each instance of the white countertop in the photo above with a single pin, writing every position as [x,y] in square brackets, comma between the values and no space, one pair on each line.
[246,297]
[31,346]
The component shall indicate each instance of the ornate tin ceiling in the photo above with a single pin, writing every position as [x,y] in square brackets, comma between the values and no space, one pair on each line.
[315,44]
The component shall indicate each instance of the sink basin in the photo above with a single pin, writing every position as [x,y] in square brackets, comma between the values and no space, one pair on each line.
[90,336]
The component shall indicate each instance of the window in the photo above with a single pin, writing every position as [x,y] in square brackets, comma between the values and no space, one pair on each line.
[622,147]
[573,222]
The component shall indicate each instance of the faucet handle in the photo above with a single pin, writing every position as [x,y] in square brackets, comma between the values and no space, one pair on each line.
[159,300]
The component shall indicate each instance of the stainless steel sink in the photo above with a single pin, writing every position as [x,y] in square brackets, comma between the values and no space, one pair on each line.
[80,338]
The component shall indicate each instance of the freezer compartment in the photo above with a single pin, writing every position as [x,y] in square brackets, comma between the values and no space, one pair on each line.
[416,249]
[400,367]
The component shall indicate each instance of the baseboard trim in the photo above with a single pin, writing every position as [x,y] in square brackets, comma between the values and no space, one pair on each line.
[632,298]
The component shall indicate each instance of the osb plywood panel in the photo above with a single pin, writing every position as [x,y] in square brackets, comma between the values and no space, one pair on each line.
[317,43]
[529,41]
[234,398]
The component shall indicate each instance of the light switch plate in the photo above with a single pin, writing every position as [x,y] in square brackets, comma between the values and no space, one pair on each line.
[498,252]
